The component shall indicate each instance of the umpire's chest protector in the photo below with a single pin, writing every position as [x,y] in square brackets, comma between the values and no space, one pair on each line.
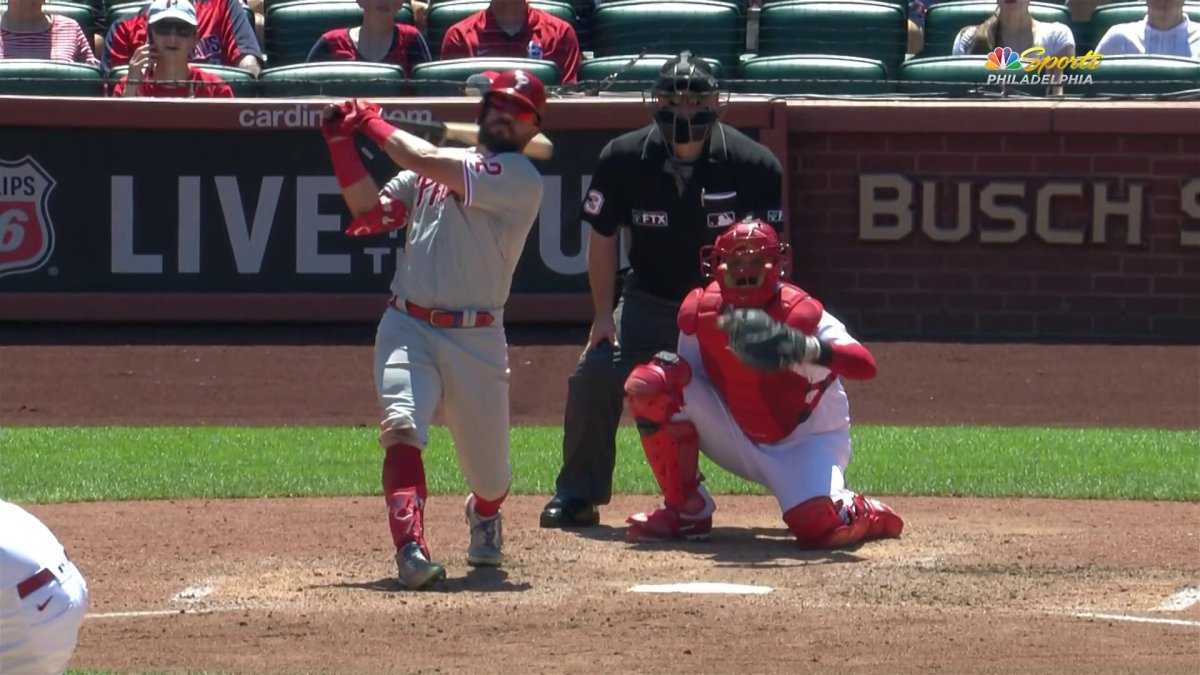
[766,406]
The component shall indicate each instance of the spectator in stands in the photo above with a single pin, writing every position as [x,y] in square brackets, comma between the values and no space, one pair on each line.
[1166,30]
[224,36]
[27,32]
[379,39]
[1014,27]
[160,68]
[511,28]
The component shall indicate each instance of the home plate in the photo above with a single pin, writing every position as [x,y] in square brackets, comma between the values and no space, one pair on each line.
[701,587]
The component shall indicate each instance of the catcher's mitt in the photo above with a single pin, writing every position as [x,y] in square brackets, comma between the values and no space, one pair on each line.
[763,343]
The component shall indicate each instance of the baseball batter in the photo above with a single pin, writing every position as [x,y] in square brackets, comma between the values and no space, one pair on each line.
[43,597]
[442,341]
[756,385]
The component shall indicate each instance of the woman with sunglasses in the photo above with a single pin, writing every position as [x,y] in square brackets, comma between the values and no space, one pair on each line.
[1014,27]
[28,32]
[160,68]
[379,39]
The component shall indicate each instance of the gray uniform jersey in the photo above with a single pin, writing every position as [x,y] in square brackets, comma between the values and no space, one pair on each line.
[462,250]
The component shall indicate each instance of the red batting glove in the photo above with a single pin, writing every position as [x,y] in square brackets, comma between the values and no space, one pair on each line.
[370,123]
[338,122]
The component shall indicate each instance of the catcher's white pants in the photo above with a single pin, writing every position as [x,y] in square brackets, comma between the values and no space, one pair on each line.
[419,367]
[799,467]
[41,641]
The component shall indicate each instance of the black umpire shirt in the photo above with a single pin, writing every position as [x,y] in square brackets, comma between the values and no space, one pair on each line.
[671,211]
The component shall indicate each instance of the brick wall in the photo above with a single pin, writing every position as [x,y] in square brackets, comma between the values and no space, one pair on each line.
[1120,269]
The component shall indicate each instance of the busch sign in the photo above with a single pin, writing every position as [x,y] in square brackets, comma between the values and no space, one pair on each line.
[26,235]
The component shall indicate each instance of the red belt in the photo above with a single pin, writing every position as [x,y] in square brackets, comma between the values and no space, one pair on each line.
[33,583]
[443,318]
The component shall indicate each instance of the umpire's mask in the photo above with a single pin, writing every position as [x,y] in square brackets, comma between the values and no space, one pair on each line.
[687,98]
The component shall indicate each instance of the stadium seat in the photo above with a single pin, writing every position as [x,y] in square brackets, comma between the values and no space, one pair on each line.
[449,78]
[86,15]
[945,19]
[638,77]
[35,77]
[864,28]
[244,84]
[125,10]
[708,28]
[865,76]
[1107,16]
[445,13]
[292,28]
[341,79]
[1133,74]
[949,76]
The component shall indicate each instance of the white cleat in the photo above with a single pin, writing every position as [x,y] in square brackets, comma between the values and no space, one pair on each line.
[416,571]
[487,538]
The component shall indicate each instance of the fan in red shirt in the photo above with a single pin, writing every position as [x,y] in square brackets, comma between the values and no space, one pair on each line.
[379,39]
[224,36]
[511,28]
[160,68]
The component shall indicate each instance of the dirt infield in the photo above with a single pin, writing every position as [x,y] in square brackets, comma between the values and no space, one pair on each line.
[307,584]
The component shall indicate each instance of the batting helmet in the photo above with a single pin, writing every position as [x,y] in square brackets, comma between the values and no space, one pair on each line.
[517,92]
[747,261]
[689,78]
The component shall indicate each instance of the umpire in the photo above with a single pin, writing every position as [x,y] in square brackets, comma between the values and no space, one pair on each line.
[676,184]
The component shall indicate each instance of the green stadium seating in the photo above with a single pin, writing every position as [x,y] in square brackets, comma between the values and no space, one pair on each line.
[125,10]
[707,28]
[865,76]
[34,77]
[446,13]
[1138,74]
[950,76]
[946,19]
[864,28]
[244,84]
[1107,16]
[86,15]
[449,78]
[639,77]
[292,28]
[340,79]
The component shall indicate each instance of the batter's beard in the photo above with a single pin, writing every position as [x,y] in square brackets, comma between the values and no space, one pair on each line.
[496,145]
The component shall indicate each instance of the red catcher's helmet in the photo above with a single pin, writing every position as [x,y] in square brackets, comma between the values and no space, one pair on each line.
[747,261]
[518,87]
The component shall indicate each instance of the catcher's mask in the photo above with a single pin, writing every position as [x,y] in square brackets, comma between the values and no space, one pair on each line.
[747,261]
[687,100]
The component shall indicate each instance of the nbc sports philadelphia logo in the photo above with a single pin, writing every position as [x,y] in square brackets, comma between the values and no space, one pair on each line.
[1032,66]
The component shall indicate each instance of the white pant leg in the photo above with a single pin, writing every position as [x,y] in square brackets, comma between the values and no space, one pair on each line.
[475,381]
[41,642]
[721,439]
[807,466]
[407,381]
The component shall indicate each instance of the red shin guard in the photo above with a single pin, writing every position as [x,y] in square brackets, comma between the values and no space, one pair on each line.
[405,492]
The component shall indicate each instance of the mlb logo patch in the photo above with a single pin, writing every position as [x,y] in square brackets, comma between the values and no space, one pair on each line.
[649,218]
[723,219]
[774,216]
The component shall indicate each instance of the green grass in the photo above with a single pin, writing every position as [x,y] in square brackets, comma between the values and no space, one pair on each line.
[40,465]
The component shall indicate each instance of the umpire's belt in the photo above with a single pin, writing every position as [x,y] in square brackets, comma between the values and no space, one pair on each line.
[444,318]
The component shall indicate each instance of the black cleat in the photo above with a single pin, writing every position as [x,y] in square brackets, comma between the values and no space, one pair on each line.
[565,512]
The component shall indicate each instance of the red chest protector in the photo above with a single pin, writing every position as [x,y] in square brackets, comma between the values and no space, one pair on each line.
[767,406]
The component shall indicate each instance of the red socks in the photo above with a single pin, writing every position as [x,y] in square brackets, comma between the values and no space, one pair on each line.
[489,507]
[405,492]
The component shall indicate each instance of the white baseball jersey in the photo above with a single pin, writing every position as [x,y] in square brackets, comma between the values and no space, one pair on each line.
[38,633]
[462,250]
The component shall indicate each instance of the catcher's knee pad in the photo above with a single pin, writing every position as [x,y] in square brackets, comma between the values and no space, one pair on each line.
[825,523]
[655,392]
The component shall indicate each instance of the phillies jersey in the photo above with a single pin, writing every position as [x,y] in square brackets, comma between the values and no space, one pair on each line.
[543,36]
[408,48]
[767,406]
[223,36]
[201,85]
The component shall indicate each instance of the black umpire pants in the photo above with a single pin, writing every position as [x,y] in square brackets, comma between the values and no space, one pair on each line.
[645,325]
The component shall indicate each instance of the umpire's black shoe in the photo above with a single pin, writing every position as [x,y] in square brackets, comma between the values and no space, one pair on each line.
[562,512]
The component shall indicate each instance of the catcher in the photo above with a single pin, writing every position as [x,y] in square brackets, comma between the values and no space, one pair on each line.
[756,386]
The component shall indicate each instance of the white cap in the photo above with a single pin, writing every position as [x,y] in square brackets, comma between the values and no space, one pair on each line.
[181,10]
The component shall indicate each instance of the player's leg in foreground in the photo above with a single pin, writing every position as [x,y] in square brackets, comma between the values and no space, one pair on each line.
[409,389]
[40,636]
[474,364]
[672,446]
[808,480]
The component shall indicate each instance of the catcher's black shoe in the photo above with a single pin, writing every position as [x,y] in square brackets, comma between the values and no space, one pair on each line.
[565,512]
